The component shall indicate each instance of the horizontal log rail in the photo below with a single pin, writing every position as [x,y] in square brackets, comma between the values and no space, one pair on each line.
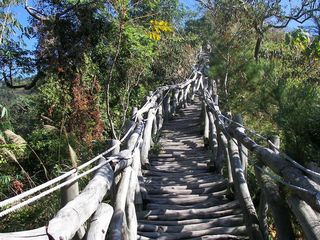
[273,170]
[116,178]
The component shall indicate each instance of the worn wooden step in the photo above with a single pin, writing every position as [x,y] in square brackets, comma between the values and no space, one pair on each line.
[166,214]
[192,199]
[185,199]
[188,174]
[209,203]
[226,221]
[239,231]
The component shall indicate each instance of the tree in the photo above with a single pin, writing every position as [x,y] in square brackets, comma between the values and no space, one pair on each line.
[264,15]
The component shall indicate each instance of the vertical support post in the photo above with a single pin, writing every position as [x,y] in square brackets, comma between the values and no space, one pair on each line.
[136,167]
[147,139]
[206,125]
[213,142]
[115,142]
[275,201]
[242,149]
[154,126]
[193,90]
[160,116]
[262,215]
[68,193]
[181,98]
[118,221]
[187,95]
[167,107]
[132,222]
[221,154]
[175,101]
[99,223]
[241,187]
[116,178]
[200,84]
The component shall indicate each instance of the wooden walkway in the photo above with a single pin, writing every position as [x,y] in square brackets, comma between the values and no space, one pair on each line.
[185,199]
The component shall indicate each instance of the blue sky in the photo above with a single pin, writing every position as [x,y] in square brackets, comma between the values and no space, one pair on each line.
[23,16]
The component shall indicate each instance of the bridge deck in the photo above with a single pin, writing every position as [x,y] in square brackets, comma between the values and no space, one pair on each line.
[185,199]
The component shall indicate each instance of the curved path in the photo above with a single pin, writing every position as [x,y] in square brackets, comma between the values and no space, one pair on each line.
[185,199]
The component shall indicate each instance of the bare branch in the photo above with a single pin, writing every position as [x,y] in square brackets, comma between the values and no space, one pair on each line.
[43,17]
[35,13]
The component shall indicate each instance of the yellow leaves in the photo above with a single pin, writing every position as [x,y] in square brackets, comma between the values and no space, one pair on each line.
[158,27]
[155,36]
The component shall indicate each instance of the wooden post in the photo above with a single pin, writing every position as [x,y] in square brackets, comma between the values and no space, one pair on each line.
[132,221]
[193,90]
[224,144]
[135,137]
[154,127]
[187,95]
[306,216]
[71,217]
[175,101]
[242,149]
[181,98]
[276,143]
[136,167]
[222,154]
[70,191]
[117,177]
[147,139]
[200,84]
[206,126]
[262,215]
[213,141]
[241,187]
[160,116]
[99,223]
[118,222]
[167,107]
[115,142]
[276,202]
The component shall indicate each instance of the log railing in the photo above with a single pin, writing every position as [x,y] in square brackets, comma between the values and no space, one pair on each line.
[229,146]
[108,203]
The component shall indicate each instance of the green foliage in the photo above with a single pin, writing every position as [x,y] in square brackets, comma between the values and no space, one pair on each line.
[79,54]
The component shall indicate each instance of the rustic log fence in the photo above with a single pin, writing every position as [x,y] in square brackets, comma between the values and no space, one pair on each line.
[107,205]
[285,185]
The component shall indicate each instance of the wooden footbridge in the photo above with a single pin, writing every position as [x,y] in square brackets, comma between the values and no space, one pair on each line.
[191,185]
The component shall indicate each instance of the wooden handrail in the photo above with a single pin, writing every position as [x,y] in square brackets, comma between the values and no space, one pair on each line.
[304,202]
[121,174]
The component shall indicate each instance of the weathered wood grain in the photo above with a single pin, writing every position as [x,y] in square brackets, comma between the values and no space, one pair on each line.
[99,223]
[78,211]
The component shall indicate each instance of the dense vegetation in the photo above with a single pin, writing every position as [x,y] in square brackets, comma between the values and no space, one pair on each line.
[95,60]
